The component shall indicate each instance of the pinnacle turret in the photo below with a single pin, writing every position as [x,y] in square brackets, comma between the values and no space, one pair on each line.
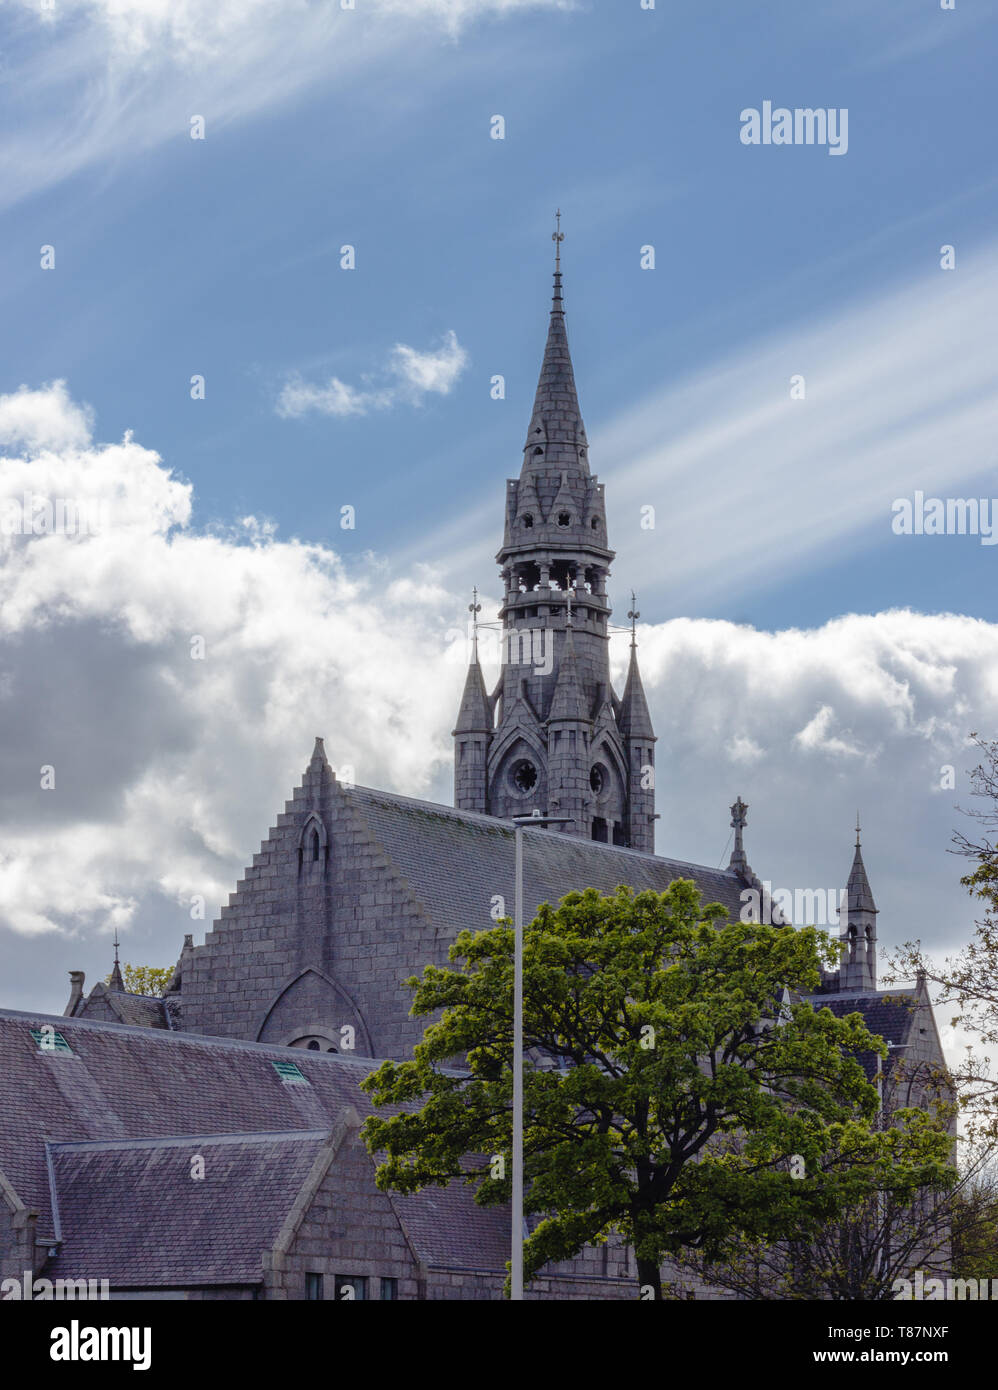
[568,702]
[635,721]
[475,714]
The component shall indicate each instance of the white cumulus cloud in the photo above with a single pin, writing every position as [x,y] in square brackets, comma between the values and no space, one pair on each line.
[169,768]
[408,376]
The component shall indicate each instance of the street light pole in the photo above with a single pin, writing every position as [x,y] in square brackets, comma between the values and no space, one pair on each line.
[516,1234]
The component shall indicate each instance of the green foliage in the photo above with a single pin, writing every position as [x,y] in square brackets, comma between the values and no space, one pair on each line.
[975,1231]
[672,1082]
[145,979]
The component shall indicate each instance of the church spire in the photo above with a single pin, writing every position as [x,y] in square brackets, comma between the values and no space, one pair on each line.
[556,435]
[550,733]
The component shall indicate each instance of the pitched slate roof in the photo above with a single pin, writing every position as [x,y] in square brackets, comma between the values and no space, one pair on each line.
[111,1113]
[455,861]
[124,1083]
[449,1230]
[139,1010]
[887,1012]
[113,1197]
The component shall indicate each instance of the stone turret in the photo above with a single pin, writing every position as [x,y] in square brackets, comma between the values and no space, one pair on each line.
[859,930]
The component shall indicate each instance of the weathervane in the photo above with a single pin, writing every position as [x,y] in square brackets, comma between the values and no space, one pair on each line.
[474,608]
[557,236]
[634,615]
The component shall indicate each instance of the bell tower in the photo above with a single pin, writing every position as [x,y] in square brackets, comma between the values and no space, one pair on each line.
[554,735]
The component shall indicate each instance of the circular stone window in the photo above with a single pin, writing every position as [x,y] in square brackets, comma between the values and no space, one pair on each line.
[313,1042]
[564,519]
[523,775]
[598,779]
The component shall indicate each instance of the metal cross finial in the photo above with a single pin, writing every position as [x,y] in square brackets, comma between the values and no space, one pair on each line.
[557,236]
[117,943]
[857,829]
[634,615]
[474,608]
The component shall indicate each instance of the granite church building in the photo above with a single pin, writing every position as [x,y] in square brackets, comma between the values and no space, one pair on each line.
[206,1144]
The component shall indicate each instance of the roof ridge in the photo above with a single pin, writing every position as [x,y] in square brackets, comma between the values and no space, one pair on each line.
[175,1140]
[500,822]
[163,1036]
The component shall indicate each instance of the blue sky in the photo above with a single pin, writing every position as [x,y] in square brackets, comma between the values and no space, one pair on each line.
[371,127]
[221,257]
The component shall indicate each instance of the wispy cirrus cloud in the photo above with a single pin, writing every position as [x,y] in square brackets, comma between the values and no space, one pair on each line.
[97,82]
[900,394]
[409,376]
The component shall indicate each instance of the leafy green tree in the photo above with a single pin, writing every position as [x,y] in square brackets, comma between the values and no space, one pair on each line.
[144,979]
[968,980]
[863,1252]
[677,1097]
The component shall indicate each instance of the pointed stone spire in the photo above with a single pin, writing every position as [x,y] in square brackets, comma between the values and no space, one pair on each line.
[859,893]
[116,982]
[556,421]
[568,701]
[475,714]
[635,721]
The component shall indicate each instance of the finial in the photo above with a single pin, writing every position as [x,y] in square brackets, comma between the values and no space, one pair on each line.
[557,236]
[857,830]
[738,819]
[115,981]
[569,588]
[474,608]
[634,615]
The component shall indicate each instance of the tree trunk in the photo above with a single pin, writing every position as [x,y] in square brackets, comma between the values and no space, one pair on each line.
[649,1277]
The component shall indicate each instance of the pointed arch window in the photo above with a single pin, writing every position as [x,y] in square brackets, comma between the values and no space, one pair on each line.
[313,843]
